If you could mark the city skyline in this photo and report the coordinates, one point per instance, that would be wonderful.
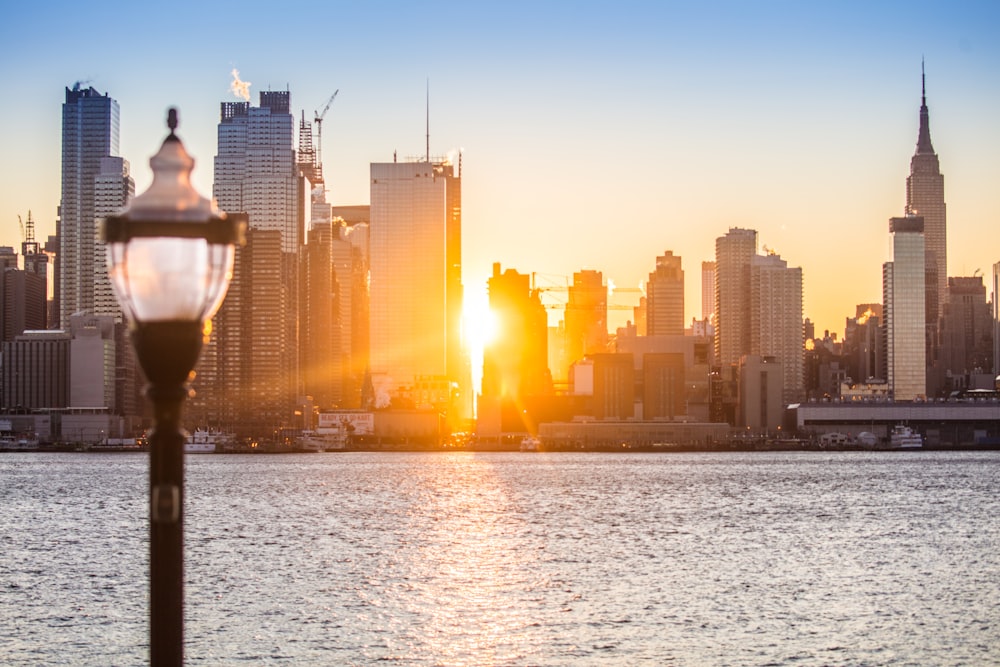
(630, 131)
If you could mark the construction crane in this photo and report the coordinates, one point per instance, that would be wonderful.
(318, 118)
(557, 293)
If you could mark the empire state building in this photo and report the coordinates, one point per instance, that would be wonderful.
(925, 198)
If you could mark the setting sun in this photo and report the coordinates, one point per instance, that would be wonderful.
(479, 327)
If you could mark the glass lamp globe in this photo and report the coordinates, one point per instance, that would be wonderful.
(170, 254)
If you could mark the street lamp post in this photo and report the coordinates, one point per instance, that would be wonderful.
(170, 260)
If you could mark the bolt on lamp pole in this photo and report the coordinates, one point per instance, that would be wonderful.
(170, 260)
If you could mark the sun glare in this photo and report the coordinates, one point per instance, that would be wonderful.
(478, 323)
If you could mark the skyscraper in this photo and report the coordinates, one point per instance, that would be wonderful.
(925, 198)
(586, 316)
(22, 291)
(255, 166)
(90, 123)
(733, 254)
(707, 290)
(966, 330)
(665, 297)
(321, 330)
(251, 363)
(113, 187)
(864, 344)
(331, 300)
(996, 320)
(903, 296)
(515, 362)
(776, 319)
(416, 281)
(36, 262)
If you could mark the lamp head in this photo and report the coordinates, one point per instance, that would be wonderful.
(170, 253)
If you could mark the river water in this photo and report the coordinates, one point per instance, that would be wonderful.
(763, 558)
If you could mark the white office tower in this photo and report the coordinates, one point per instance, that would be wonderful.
(113, 187)
(416, 288)
(904, 309)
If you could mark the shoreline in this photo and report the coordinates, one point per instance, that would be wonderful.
(720, 447)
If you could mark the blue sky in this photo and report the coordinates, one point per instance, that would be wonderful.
(594, 134)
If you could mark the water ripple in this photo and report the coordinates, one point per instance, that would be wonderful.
(515, 559)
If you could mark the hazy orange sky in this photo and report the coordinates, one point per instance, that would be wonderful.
(595, 135)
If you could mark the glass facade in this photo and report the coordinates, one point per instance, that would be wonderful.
(904, 298)
(733, 253)
(415, 305)
(90, 124)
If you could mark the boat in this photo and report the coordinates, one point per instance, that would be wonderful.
(904, 437)
(530, 444)
(315, 441)
(205, 442)
(12, 443)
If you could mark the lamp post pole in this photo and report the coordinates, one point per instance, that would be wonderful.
(170, 260)
(166, 528)
(167, 352)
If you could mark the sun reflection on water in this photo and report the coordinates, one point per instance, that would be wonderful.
(472, 565)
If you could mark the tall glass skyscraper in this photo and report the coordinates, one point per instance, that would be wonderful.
(904, 303)
(416, 282)
(90, 124)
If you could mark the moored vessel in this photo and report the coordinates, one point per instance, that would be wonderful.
(904, 437)
(316, 441)
(530, 444)
(203, 441)
(12, 443)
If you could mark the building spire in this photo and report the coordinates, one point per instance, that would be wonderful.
(924, 136)
(427, 117)
(923, 84)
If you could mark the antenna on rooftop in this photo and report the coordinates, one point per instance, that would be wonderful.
(427, 116)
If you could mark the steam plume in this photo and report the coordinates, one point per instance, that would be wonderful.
(240, 88)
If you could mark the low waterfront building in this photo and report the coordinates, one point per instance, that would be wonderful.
(971, 420)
